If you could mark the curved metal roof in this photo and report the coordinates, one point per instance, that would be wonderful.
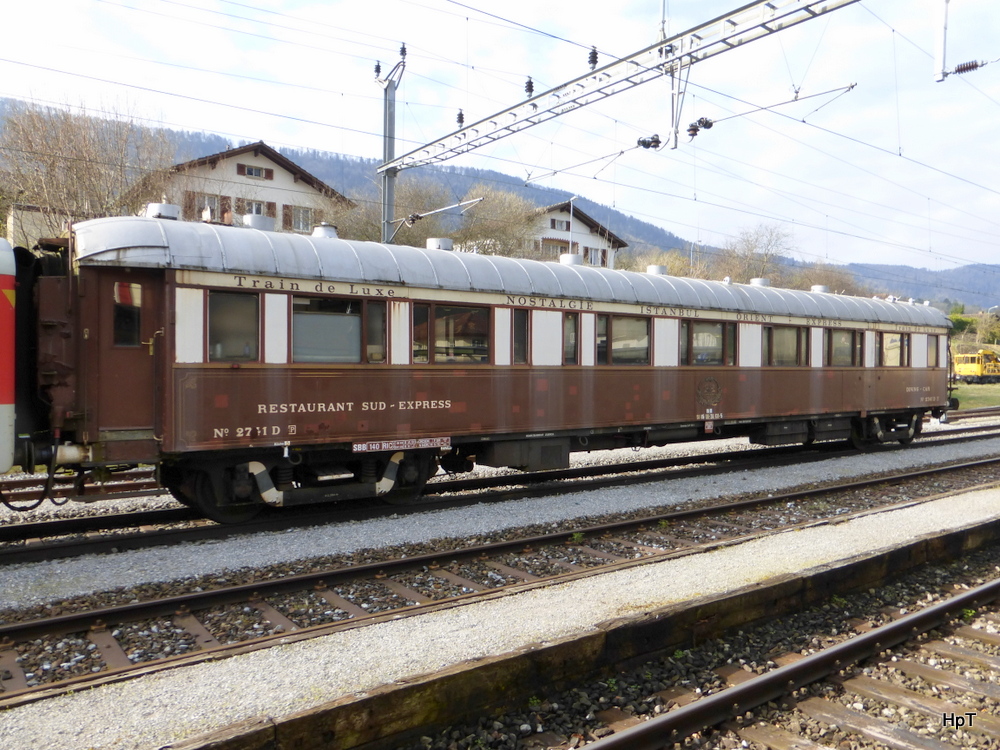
(158, 243)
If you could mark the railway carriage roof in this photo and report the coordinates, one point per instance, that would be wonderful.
(158, 243)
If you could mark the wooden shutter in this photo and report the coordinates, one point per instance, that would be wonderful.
(268, 173)
(286, 217)
(241, 206)
(189, 206)
(271, 209)
(225, 209)
(241, 169)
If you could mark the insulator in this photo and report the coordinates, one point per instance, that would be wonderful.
(402, 51)
(378, 69)
(693, 129)
(529, 87)
(460, 119)
(705, 123)
(652, 141)
(592, 58)
(968, 67)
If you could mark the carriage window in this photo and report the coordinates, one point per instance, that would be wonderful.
(461, 334)
(785, 346)
(842, 348)
(602, 339)
(326, 330)
(128, 303)
(895, 349)
(232, 327)
(421, 330)
(629, 340)
(375, 338)
(932, 351)
(520, 337)
(707, 343)
(571, 343)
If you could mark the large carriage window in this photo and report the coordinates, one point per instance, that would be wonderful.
(520, 336)
(622, 340)
(326, 330)
(571, 342)
(232, 327)
(330, 330)
(843, 348)
(629, 340)
(461, 334)
(128, 303)
(895, 349)
(932, 351)
(785, 346)
(708, 343)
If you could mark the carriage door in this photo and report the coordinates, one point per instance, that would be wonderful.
(131, 344)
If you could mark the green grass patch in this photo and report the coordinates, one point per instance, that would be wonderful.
(977, 396)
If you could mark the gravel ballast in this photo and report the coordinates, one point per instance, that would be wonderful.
(39, 583)
(175, 705)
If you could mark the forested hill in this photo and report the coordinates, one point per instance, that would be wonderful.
(976, 285)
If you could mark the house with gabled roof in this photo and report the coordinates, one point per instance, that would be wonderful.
(563, 228)
(240, 184)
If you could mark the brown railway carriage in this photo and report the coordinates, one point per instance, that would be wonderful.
(256, 367)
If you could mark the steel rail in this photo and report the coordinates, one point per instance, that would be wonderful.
(731, 702)
(81, 621)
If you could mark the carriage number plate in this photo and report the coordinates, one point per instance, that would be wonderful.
(402, 445)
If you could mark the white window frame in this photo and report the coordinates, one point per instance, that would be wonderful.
(302, 219)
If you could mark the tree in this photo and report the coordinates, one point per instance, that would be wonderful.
(676, 262)
(753, 254)
(363, 220)
(502, 224)
(72, 166)
(837, 280)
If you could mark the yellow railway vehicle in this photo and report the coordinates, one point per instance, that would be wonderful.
(981, 367)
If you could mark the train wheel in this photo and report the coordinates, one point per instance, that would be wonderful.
(414, 471)
(858, 439)
(207, 499)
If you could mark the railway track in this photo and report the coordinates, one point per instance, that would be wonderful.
(900, 684)
(96, 534)
(96, 638)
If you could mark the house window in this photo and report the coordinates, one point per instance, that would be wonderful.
(560, 224)
(255, 171)
(207, 207)
(553, 249)
(254, 207)
(302, 219)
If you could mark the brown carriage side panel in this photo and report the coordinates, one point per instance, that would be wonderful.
(220, 407)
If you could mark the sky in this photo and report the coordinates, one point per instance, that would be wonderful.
(835, 130)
